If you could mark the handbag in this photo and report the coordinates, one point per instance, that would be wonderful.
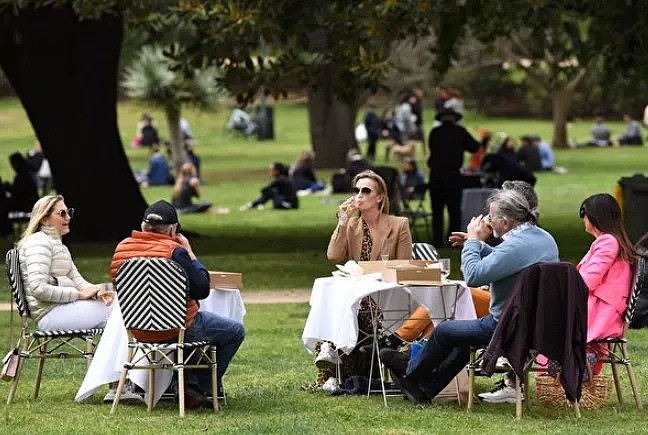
(10, 365)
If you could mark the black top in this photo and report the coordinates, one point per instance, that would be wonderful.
(447, 143)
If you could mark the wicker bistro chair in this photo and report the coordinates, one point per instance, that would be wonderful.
(617, 349)
(424, 251)
(153, 297)
(42, 344)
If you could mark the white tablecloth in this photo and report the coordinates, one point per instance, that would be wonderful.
(335, 302)
(112, 351)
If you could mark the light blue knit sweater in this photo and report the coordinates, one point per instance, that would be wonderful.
(499, 266)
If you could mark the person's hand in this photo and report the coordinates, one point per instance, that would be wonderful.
(106, 296)
(344, 210)
(457, 238)
(184, 242)
(478, 228)
(89, 292)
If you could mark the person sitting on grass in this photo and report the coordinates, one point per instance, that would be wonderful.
(281, 191)
(632, 133)
(187, 186)
(303, 175)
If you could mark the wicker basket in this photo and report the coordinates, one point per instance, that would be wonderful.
(595, 394)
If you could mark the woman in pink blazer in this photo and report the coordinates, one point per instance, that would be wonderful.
(606, 268)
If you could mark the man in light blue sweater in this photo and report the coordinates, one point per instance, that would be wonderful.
(447, 351)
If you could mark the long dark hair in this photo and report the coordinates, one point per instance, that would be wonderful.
(604, 214)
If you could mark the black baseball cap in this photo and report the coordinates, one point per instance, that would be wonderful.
(161, 212)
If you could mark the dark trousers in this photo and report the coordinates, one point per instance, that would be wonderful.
(447, 352)
(278, 200)
(371, 146)
(445, 194)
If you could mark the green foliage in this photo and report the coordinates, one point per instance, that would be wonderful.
(152, 79)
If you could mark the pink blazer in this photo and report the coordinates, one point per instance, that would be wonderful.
(607, 276)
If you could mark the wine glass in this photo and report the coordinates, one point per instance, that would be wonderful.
(445, 267)
(384, 254)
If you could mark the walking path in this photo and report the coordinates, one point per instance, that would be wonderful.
(258, 297)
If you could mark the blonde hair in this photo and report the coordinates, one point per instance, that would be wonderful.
(42, 208)
(382, 187)
(186, 169)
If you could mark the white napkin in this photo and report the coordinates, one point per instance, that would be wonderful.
(350, 268)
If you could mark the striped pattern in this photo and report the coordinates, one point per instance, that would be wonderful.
(640, 276)
(167, 346)
(15, 282)
(42, 333)
(152, 294)
(424, 251)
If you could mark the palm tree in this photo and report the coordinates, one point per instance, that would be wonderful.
(151, 78)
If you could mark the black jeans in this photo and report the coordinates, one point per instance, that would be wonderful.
(445, 194)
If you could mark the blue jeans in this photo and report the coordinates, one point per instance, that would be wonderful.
(225, 333)
(447, 352)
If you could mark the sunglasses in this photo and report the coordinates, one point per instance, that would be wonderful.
(581, 212)
(65, 213)
(365, 190)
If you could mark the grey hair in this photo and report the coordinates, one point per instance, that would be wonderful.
(513, 205)
(526, 190)
(156, 228)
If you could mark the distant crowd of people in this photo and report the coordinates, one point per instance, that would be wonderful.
(602, 136)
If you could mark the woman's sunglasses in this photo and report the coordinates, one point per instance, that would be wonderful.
(365, 190)
(65, 213)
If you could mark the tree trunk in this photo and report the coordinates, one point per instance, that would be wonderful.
(561, 102)
(64, 70)
(177, 149)
(332, 126)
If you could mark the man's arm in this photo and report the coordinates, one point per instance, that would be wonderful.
(196, 272)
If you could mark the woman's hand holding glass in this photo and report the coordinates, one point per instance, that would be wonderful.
(106, 294)
(345, 210)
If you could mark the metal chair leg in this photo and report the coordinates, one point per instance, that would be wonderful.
(39, 371)
(181, 391)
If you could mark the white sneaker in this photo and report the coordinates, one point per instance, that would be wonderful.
(502, 393)
(127, 396)
(303, 192)
(245, 207)
(503, 364)
(331, 385)
(327, 357)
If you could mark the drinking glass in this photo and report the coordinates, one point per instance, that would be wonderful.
(384, 254)
(445, 267)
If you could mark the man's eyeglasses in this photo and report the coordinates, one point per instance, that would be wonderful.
(65, 213)
(581, 212)
(365, 190)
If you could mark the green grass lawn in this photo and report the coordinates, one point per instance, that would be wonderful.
(264, 397)
(279, 250)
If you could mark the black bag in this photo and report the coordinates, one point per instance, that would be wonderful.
(640, 318)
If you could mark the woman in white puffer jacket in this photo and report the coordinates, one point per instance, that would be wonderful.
(57, 294)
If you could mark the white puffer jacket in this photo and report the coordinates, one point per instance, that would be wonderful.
(49, 275)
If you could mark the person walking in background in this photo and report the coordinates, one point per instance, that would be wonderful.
(281, 191)
(373, 125)
(447, 142)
